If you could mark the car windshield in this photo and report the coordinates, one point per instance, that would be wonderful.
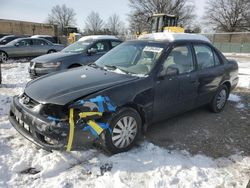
(132, 58)
(77, 47)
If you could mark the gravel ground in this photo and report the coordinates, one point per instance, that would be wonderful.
(215, 135)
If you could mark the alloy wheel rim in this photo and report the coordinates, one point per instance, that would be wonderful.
(124, 132)
(3, 57)
(221, 100)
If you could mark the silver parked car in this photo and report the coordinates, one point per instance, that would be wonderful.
(28, 47)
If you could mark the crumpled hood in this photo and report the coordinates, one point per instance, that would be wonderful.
(54, 57)
(63, 87)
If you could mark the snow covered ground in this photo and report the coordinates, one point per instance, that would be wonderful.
(244, 68)
(147, 165)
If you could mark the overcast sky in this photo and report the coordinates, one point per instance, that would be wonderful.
(37, 11)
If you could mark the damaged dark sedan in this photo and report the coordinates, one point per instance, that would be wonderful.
(113, 100)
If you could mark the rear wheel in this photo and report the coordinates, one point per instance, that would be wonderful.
(220, 99)
(3, 57)
(125, 128)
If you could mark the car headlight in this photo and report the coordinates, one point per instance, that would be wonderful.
(51, 64)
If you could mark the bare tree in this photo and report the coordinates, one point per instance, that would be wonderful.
(228, 15)
(93, 23)
(114, 24)
(143, 9)
(62, 16)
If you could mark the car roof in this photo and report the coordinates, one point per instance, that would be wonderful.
(171, 37)
(37, 36)
(9, 36)
(98, 37)
(29, 38)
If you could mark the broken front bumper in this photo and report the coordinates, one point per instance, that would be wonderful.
(45, 133)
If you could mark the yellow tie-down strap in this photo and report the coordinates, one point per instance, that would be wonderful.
(91, 123)
(95, 126)
(71, 129)
(86, 114)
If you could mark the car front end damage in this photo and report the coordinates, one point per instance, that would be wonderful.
(54, 127)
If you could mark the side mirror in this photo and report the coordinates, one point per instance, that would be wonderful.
(170, 71)
(17, 44)
(92, 51)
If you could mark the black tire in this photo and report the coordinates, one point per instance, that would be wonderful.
(220, 99)
(73, 66)
(51, 51)
(133, 130)
(3, 57)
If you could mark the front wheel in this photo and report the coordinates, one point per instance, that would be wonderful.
(220, 99)
(125, 128)
(3, 57)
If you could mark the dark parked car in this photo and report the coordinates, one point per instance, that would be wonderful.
(6, 39)
(0, 73)
(135, 84)
(86, 50)
(28, 47)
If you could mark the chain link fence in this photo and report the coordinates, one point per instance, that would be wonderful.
(230, 42)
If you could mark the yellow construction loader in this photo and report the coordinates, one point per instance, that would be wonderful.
(164, 23)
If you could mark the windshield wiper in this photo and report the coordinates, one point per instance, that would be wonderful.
(113, 67)
(94, 65)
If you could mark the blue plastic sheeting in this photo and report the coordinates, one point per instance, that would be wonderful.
(100, 101)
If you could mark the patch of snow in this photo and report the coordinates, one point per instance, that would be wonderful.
(95, 37)
(240, 105)
(173, 36)
(234, 98)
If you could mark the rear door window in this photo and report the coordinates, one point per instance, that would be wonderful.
(38, 42)
(205, 56)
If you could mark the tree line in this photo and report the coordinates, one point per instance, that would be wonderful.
(63, 16)
(219, 16)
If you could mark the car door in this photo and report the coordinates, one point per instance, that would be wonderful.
(100, 48)
(176, 93)
(23, 48)
(210, 72)
(40, 47)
